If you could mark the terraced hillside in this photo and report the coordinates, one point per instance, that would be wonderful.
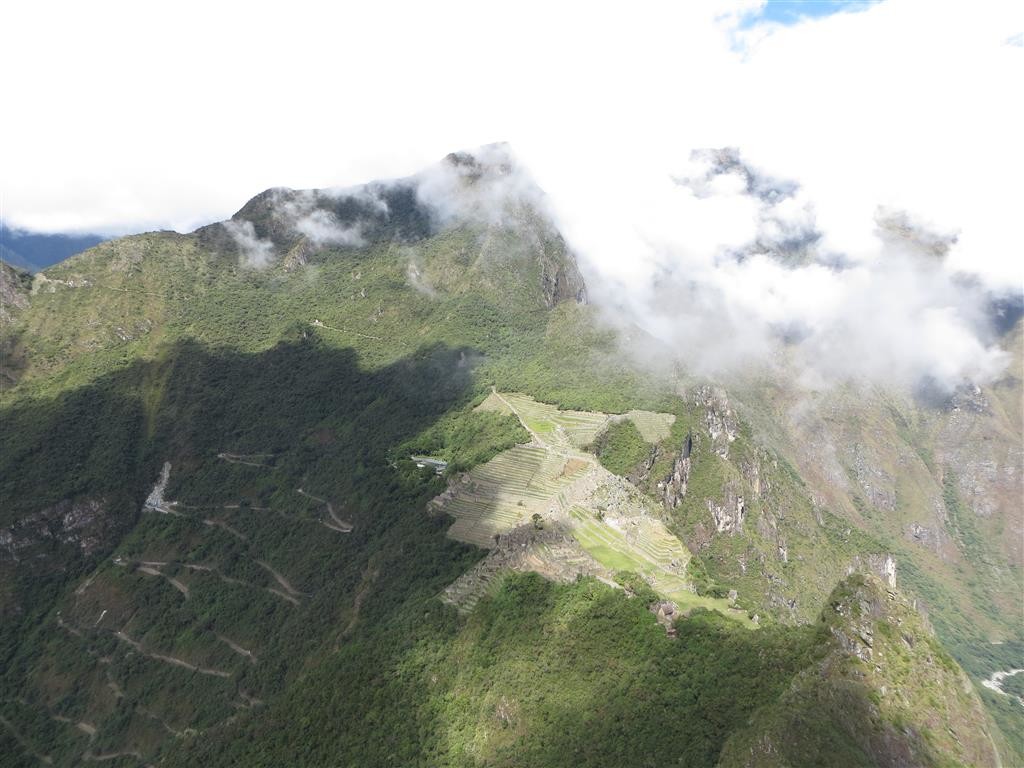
(274, 599)
(552, 483)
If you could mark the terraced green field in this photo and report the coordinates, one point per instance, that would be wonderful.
(559, 429)
(650, 550)
(554, 478)
(654, 427)
(508, 490)
(573, 429)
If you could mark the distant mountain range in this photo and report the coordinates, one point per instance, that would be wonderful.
(35, 251)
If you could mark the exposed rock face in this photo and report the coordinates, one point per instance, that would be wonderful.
(987, 471)
(719, 418)
(673, 487)
(14, 298)
(667, 613)
(156, 501)
(878, 486)
(969, 397)
(932, 537)
(886, 568)
(728, 516)
(561, 279)
(549, 550)
(81, 523)
(299, 255)
(883, 693)
(14, 288)
(882, 565)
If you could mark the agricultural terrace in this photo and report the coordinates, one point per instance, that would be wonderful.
(572, 429)
(552, 477)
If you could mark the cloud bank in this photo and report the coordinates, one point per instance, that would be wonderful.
(735, 274)
(897, 109)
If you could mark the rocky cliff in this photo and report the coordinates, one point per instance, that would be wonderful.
(860, 704)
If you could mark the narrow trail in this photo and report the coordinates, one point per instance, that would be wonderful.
(237, 648)
(341, 526)
(290, 592)
(231, 580)
(185, 297)
(120, 635)
(102, 758)
(73, 630)
(995, 750)
(318, 324)
(536, 438)
(86, 584)
(250, 702)
(25, 745)
(149, 570)
(283, 515)
(285, 584)
(309, 495)
(283, 595)
(243, 458)
(91, 730)
(224, 526)
(157, 719)
(366, 583)
(87, 728)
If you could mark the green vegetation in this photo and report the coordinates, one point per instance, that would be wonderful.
(285, 610)
(854, 706)
(539, 674)
(621, 447)
(467, 438)
(1014, 685)
(652, 553)
(157, 348)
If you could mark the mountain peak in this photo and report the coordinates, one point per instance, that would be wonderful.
(860, 703)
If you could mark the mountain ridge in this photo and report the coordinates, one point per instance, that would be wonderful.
(314, 342)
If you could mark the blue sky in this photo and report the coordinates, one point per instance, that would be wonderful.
(791, 11)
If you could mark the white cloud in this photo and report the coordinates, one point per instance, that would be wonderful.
(254, 252)
(134, 117)
(324, 229)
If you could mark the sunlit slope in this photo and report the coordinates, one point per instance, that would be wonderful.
(302, 603)
(552, 484)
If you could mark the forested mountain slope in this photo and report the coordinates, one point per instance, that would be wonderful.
(216, 549)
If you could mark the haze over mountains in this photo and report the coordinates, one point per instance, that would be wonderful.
(672, 525)
(35, 251)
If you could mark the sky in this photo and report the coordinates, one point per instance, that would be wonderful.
(794, 11)
(125, 116)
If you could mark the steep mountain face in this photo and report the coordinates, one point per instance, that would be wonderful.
(14, 288)
(215, 547)
(15, 285)
(860, 704)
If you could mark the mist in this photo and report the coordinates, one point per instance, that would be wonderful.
(780, 250)
(730, 269)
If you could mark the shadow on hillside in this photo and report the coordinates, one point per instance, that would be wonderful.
(329, 420)
(327, 425)
(110, 437)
